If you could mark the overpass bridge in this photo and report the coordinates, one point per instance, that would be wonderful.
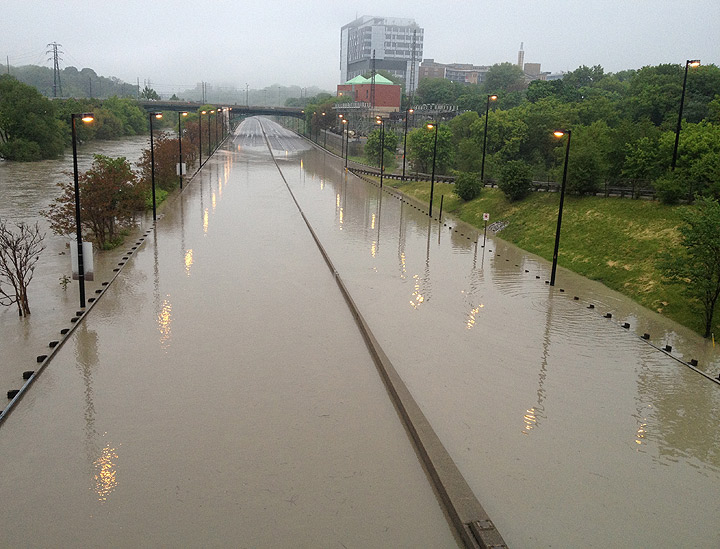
(236, 110)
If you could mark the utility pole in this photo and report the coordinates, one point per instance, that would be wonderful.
(57, 86)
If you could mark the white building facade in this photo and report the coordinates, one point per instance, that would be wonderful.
(392, 39)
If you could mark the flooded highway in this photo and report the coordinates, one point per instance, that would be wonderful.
(219, 392)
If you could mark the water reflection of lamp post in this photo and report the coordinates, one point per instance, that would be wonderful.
(688, 63)
(487, 110)
(559, 134)
(152, 115)
(430, 126)
(86, 117)
(408, 112)
(382, 148)
(180, 115)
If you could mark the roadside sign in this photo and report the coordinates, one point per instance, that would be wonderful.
(486, 217)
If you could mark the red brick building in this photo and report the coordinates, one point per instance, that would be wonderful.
(388, 96)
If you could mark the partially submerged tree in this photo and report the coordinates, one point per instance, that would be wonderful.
(19, 253)
(110, 197)
(697, 266)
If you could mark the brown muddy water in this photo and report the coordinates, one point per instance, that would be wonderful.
(219, 387)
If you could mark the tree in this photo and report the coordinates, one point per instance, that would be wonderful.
(166, 159)
(28, 129)
(19, 253)
(435, 90)
(372, 147)
(149, 94)
(515, 180)
(421, 143)
(504, 77)
(468, 185)
(696, 266)
(110, 197)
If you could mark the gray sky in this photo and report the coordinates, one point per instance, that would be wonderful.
(176, 44)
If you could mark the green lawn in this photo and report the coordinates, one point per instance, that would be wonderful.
(616, 241)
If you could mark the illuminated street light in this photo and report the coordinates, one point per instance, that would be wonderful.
(559, 134)
(487, 110)
(689, 63)
(152, 115)
(430, 126)
(342, 139)
(85, 117)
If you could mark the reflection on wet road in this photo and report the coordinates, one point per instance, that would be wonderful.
(221, 383)
(553, 412)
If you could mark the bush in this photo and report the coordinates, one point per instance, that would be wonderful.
(671, 188)
(468, 185)
(515, 180)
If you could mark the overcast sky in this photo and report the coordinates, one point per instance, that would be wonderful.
(176, 44)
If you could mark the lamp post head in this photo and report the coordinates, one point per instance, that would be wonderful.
(203, 112)
(693, 62)
(87, 117)
(430, 125)
(184, 113)
(411, 111)
(560, 133)
(492, 97)
(344, 121)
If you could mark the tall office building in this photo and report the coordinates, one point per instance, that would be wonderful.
(391, 39)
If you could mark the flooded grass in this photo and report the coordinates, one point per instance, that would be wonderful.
(615, 241)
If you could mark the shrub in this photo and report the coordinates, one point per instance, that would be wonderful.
(468, 185)
(515, 180)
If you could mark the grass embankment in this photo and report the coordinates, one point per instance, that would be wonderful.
(615, 241)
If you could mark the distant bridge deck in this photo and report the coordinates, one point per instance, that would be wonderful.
(193, 106)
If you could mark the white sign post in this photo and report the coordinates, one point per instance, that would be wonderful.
(486, 218)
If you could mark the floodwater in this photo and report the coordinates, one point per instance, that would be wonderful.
(26, 189)
(218, 393)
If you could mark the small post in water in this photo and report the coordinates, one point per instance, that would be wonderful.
(486, 218)
(441, 205)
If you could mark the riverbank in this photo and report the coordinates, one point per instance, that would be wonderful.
(616, 241)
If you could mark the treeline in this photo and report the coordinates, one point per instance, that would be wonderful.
(623, 128)
(33, 127)
(74, 83)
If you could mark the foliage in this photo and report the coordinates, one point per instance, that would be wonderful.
(421, 147)
(697, 268)
(515, 180)
(166, 154)
(19, 253)
(373, 147)
(75, 83)
(28, 129)
(504, 77)
(149, 94)
(110, 197)
(468, 185)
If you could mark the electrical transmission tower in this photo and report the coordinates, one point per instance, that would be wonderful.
(56, 52)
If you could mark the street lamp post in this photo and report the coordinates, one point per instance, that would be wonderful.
(152, 115)
(382, 148)
(688, 63)
(217, 133)
(180, 115)
(487, 110)
(559, 134)
(346, 136)
(209, 135)
(200, 134)
(87, 118)
(408, 112)
(432, 177)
